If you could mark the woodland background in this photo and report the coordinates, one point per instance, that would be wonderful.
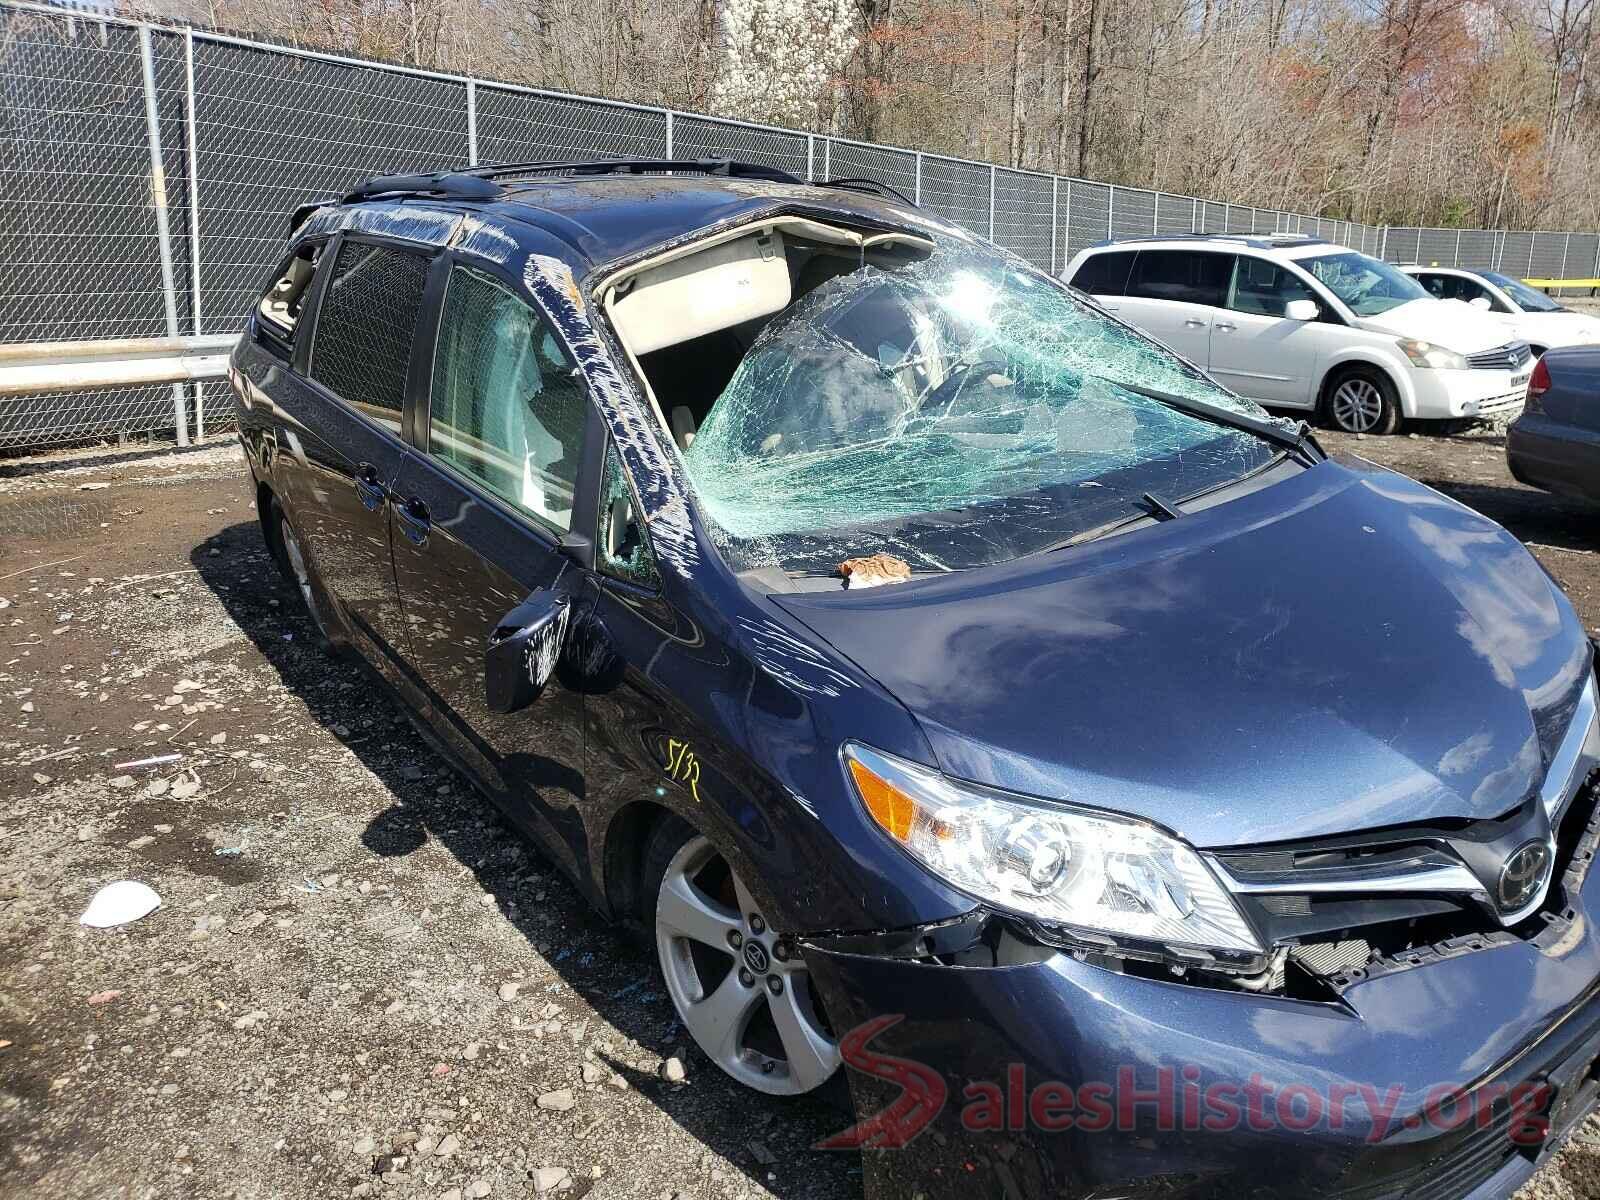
(1467, 113)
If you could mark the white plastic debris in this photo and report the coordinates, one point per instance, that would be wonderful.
(119, 903)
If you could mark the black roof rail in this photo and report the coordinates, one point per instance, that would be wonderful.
(1257, 241)
(481, 183)
(727, 167)
(872, 186)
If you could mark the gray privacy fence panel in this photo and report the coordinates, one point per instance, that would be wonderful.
(1022, 215)
(78, 250)
(958, 191)
(1089, 215)
(520, 126)
(704, 137)
(87, 146)
(273, 130)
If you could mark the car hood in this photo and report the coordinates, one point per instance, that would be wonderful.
(1558, 329)
(1342, 650)
(1448, 323)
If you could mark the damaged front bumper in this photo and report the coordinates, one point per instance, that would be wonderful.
(1044, 1074)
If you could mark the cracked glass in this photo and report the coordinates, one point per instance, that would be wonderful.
(954, 412)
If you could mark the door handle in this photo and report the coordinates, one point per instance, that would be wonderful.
(414, 520)
(370, 488)
(1225, 326)
(1192, 323)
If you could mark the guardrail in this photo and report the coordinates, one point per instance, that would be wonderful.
(201, 143)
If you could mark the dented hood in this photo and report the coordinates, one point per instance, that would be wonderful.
(1343, 650)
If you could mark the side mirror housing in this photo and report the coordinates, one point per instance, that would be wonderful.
(1480, 302)
(523, 651)
(1302, 310)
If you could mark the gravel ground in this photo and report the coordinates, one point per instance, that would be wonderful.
(358, 981)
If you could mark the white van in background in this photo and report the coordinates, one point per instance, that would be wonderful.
(1295, 322)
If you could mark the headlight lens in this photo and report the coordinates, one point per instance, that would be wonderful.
(1426, 354)
(1069, 866)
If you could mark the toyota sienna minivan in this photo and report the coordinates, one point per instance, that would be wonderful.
(1298, 323)
(973, 705)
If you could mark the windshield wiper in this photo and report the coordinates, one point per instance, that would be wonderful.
(1299, 442)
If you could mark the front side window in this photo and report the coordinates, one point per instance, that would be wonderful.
(954, 411)
(506, 408)
(1367, 285)
(1265, 288)
(1188, 276)
(1528, 299)
(366, 327)
(624, 549)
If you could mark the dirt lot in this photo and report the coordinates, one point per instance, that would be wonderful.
(358, 982)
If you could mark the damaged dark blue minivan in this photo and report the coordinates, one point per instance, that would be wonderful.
(969, 699)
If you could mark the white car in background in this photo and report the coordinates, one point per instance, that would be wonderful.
(1295, 322)
(1531, 315)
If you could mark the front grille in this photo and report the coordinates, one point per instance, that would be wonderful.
(1510, 357)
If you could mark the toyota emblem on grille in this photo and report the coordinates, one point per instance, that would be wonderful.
(1522, 876)
(755, 957)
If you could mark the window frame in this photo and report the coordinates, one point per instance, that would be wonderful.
(609, 577)
(579, 538)
(305, 345)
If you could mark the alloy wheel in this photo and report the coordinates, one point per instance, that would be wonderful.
(1357, 405)
(302, 577)
(740, 989)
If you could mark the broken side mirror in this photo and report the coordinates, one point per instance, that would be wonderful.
(523, 651)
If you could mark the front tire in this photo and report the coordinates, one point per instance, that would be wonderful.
(740, 988)
(1362, 400)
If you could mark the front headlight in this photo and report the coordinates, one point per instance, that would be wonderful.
(1093, 871)
(1426, 354)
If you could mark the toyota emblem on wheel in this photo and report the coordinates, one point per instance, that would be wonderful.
(1523, 875)
(755, 957)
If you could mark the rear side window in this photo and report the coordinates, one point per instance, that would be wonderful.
(1188, 276)
(506, 408)
(1265, 288)
(1105, 274)
(279, 307)
(366, 326)
(624, 549)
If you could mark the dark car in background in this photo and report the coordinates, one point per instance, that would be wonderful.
(1555, 443)
(963, 695)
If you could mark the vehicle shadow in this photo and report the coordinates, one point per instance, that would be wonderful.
(1532, 516)
(766, 1138)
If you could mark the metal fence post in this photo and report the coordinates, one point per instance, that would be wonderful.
(1383, 245)
(672, 134)
(917, 191)
(1055, 203)
(472, 124)
(811, 149)
(1533, 244)
(827, 158)
(991, 203)
(1566, 246)
(1194, 215)
(1111, 199)
(194, 217)
(158, 200)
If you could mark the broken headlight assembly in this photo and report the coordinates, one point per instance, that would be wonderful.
(1100, 881)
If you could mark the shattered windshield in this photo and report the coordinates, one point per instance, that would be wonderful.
(954, 412)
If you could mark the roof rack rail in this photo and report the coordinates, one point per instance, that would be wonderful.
(635, 166)
(871, 186)
(481, 183)
(1258, 241)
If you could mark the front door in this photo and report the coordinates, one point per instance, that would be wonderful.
(480, 510)
(1257, 350)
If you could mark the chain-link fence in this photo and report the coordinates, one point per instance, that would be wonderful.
(146, 175)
